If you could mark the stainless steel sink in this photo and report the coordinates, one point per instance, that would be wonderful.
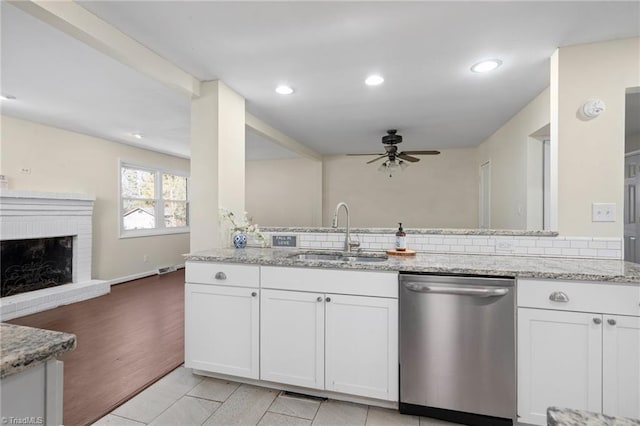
(317, 256)
(340, 256)
(366, 258)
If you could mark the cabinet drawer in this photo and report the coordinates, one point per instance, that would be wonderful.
(359, 283)
(222, 273)
(581, 296)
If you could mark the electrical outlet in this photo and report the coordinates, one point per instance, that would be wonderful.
(25, 170)
(603, 212)
(145, 258)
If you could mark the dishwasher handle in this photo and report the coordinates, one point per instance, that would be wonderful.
(458, 291)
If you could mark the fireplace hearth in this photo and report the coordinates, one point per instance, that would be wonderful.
(34, 264)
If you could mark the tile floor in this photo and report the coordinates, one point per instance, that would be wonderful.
(182, 398)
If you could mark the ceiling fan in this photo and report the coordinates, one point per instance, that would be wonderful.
(395, 159)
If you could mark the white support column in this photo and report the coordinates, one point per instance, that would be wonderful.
(217, 162)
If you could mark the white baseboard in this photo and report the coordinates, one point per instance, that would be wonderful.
(137, 276)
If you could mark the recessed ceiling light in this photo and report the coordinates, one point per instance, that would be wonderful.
(7, 97)
(374, 80)
(137, 135)
(284, 90)
(485, 66)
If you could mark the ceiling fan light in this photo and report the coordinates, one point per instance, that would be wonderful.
(403, 165)
(383, 167)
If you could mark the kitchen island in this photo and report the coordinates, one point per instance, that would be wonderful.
(577, 320)
(30, 375)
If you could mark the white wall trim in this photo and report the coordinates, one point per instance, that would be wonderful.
(132, 277)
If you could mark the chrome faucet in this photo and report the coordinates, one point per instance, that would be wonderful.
(348, 244)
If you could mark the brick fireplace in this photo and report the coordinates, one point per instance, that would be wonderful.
(27, 215)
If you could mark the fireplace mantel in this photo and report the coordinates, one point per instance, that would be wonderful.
(35, 214)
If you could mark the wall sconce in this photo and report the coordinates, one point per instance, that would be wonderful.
(591, 108)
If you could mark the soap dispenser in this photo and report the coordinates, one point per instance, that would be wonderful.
(401, 239)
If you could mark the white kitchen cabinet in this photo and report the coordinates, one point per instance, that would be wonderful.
(292, 334)
(336, 342)
(362, 346)
(621, 366)
(222, 329)
(559, 362)
(345, 343)
(578, 347)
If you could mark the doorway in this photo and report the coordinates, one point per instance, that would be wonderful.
(485, 196)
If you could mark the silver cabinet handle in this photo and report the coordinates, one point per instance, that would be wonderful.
(328, 299)
(559, 296)
(460, 291)
(597, 321)
(611, 321)
(220, 276)
(254, 294)
(319, 299)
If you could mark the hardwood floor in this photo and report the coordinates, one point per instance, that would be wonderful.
(127, 340)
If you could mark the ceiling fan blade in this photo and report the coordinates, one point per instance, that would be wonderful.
(409, 158)
(377, 153)
(421, 152)
(376, 159)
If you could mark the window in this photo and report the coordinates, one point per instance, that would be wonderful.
(152, 201)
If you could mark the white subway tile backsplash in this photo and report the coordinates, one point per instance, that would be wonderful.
(552, 251)
(579, 244)
(544, 243)
(606, 248)
(611, 254)
(571, 252)
(597, 244)
(615, 245)
(561, 244)
(587, 252)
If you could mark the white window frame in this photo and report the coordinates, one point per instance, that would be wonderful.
(160, 228)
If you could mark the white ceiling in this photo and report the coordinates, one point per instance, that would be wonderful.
(324, 50)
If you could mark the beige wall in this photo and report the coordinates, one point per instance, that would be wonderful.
(286, 192)
(438, 192)
(63, 161)
(591, 153)
(507, 150)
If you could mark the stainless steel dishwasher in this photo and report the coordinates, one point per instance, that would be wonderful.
(457, 348)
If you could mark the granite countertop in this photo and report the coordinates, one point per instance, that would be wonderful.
(24, 347)
(566, 417)
(616, 271)
(413, 231)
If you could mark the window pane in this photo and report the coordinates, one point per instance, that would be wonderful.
(174, 187)
(175, 214)
(138, 214)
(137, 183)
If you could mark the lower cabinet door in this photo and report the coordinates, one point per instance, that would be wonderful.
(362, 346)
(222, 329)
(621, 366)
(559, 362)
(292, 338)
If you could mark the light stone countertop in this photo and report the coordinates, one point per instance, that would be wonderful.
(412, 231)
(24, 347)
(616, 271)
(566, 417)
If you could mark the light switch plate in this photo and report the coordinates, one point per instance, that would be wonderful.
(603, 212)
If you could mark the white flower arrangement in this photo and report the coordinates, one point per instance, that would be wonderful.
(244, 225)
